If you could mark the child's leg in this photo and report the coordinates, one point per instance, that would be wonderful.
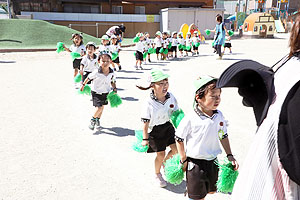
(98, 112)
(75, 72)
(160, 156)
(172, 152)
(113, 65)
(149, 57)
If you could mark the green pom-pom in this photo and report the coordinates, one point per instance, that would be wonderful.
(207, 31)
(75, 55)
(136, 39)
(170, 45)
(114, 99)
(173, 170)
(151, 51)
(183, 47)
(188, 48)
(145, 55)
(134, 54)
(230, 33)
(114, 56)
(213, 44)
(180, 46)
(77, 78)
(59, 47)
(227, 176)
(197, 44)
(86, 90)
(166, 51)
(176, 117)
(137, 146)
(161, 50)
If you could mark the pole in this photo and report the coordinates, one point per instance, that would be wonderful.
(8, 9)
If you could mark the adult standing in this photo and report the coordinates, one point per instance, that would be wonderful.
(117, 31)
(272, 168)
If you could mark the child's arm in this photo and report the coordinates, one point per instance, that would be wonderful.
(181, 151)
(84, 83)
(227, 149)
(67, 49)
(114, 85)
(81, 69)
(145, 134)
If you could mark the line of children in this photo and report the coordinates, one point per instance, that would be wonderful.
(103, 81)
(158, 132)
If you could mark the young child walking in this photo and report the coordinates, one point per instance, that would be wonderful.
(115, 48)
(158, 132)
(165, 44)
(89, 62)
(181, 42)
(140, 49)
(103, 81)
(158, 43)
(174, 44)
(196, 40)
(77, 47)
(104, 46)
(148, 44)
(188, 43)
(227, 44)
(198, 136)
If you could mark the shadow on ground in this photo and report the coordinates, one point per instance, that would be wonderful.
(115, 131)
(178, 189)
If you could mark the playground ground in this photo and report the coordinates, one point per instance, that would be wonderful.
(47, 151)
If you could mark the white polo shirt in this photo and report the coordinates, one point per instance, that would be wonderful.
(101, 83)
(114, 48)
(104, 48)
(201, 134)
(181, 41)
(140, 46)
(78, 49)
(174, 42)
(157, 112)
(188, 41)
(195, 40)
(165, 43)
(89, 64)
(158, 42)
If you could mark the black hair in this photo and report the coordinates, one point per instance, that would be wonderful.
(77, 34)
(219, 18)
(101, 55)
(205, 88)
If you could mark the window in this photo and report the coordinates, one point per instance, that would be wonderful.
(139, 9)
(271, 28)
(117, 9)
(255, 28)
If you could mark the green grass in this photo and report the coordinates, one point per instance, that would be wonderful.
(38, 34)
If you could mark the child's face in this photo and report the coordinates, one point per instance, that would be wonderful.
(165, 36)
(161, 87)
(114, 40)
(105, 61)
(90, 50)
(147, 35)
(211, 100)
(77, 40)
(158, 36)
(175, 36)
(142, 38)
(105, 42)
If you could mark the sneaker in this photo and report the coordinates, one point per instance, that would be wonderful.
(120, 68)
(141, 67)
(97, 122)
(136, 67)
(149, 60)
(230, 51)
(219, 58)
(161, 182)
(92, 125)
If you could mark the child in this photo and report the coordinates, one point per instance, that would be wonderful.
(227, 44)
(104, 46)
(147, 44)
(158, 132)
(197, 139)
(165, 44)
(89, 62)
(188, 43)
(195, 40)
(158, 43)
(115, 48)
(78, 47)
(181, 42)
(174, 44)
(140, 49)
(103, 79)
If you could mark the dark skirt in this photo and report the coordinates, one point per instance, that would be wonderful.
(99, 99)
(117, 60)
(139, 56)
(76, 63)
(228, 45)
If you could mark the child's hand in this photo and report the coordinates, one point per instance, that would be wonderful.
(234, 162)
(184, 166)
(145, 142)
(82, 87)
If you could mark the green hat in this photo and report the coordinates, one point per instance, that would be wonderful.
(104, 37)
(157, 75)
(158, 33)
(201, 81)
(188, 33)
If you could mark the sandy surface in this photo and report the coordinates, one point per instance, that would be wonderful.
(48, 152)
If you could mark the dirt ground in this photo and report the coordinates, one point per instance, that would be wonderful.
(48, 152)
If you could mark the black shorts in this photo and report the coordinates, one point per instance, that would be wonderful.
(160, 137)
(76, 63)
(195, 48)
(139, 56)
(157, 50)
(228, 45)
(85, 75)
(202, 178)
(174, 48)
(117, 60)
(99, 99)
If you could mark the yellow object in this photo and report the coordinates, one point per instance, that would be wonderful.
(184, 29)
(150, 18)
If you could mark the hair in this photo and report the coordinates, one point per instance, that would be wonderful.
(144, 88)
(77, 34)
(294, 42)
(101, 56)
(201, 92)
(90, 45)
(219, 18)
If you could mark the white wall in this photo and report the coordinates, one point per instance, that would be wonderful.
(3, 16)
(89, 17)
